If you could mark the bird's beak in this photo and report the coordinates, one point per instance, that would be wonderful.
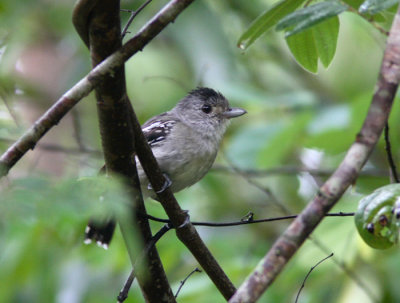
(234, 112)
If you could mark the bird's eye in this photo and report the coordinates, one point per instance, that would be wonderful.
(206, 108)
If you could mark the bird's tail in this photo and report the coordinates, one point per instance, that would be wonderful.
(100, 232)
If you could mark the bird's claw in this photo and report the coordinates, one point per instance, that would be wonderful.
(166, 184)
(187, 220)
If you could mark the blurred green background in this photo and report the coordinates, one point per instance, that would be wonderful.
(296, 122)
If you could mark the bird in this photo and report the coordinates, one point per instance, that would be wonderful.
(185, 141)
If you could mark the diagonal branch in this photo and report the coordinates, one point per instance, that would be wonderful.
(294, 236)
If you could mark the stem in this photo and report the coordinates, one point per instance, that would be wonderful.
(388, 149)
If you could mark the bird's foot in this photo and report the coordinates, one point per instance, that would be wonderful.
(166, 184)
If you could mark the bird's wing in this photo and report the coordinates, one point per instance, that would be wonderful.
(157, 129)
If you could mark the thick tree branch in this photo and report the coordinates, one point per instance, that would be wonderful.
(114, 108)
(294, 236)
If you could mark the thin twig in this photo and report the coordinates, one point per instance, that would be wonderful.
(184, 281)
(311, 269)
(244, 222)
(133, 15)
(123, 294)
(124, 291)
(347, 270)
(388, 149)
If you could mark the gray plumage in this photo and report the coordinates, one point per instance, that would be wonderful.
(186, 139)
(185, 142)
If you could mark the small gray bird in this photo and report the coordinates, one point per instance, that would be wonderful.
(185, 142)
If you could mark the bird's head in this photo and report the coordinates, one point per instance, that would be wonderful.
(207, 111)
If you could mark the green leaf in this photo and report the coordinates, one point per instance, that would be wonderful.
(325, 36)
(375, 6)
(304, 50)
(316, 42)
(309, 16)
(266, 20)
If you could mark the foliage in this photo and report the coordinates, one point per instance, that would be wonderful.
(314, 27)
(317, 42)
(266, 20)
(295, 120)
(305, 18)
